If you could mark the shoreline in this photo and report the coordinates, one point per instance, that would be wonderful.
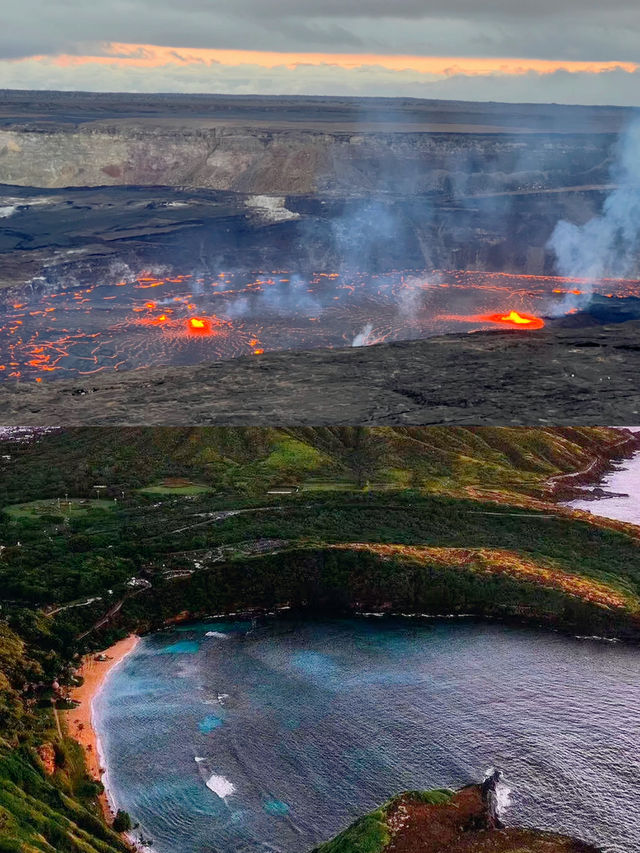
(563, 488)
(80, 721)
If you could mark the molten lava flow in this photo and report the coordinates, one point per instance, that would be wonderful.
(514, 319)
(156, 321)
(199, 326)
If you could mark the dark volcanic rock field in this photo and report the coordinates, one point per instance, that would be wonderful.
(555, 376)
(96, 186)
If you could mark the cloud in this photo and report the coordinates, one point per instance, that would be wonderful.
(552, 29)
(419, 10)
(614, 86)
(557, 31)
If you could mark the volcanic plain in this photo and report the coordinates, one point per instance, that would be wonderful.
(552, 376)
(99, 190)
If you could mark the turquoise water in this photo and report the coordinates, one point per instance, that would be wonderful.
(273, 740)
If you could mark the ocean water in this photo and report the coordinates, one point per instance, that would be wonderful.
(275, 739)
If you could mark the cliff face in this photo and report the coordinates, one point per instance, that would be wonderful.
(377, 185)
(254, 159)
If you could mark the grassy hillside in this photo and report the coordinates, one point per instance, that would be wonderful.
(183, 521)
(53, 816)
(47, 800)
(249, 461)
(349, 578)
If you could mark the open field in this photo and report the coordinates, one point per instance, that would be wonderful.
(175, 487)
(22, 106)
(66, 508)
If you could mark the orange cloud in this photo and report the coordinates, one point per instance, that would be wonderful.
(153, 56)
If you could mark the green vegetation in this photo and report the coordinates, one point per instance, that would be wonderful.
(59, 509)
(383, 516)
(370, 833)
(122, 821)
(291, 456)
(247, 462)
(176, 488)
(325, 581)
(47, 814)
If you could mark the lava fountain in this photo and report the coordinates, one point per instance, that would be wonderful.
(199, 326)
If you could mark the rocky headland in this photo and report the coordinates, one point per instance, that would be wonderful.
(442, 821)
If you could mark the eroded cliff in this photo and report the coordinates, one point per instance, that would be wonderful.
(298, 146)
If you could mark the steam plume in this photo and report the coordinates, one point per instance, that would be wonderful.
(606, 245)
(363, 338)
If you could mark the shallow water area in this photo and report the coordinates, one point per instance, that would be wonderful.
(276, 738)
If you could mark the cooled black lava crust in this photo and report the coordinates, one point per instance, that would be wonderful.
(555, 376)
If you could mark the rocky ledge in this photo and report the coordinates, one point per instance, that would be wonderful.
(554, 376)
(445, 822)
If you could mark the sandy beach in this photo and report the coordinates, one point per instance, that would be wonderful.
(80, 721)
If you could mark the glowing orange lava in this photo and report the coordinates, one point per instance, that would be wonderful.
(513, 318)
(199, 326)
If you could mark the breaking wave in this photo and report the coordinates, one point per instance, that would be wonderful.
(221, 786)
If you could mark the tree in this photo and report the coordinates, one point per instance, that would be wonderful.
(122, 821)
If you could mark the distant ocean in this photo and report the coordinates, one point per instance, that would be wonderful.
(222, 739)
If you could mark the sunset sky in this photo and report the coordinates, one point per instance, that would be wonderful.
(569, 51)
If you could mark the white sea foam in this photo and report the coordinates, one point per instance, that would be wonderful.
(221, 786)
(597, 638)
(503, 797)
(217, 634)
(502, 791)
(5, 212)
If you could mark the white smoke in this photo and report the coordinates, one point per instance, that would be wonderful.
(410, 301)
(606, 245)
(283, 300)
(363, 338)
